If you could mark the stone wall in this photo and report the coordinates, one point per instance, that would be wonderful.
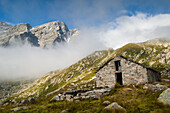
(81, 94)
(153, 76)
(132, 73)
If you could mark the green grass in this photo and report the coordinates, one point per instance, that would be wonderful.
(134, 100)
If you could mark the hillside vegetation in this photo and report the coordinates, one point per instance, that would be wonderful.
(154, 53)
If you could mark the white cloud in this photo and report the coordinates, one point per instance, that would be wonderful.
(136, 28)
(27, 61)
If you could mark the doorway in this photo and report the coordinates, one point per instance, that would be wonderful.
(119, 78)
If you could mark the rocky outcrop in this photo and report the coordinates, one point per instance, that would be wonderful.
(51, 33)
(164, 97)
(45, 36)
(19, 34)
(4, 27)
(81, 94)
(20, 108)
(106, 102)
(155, 88)
(115, 106)
(73, 34)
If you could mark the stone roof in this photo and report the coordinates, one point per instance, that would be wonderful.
(127, 60)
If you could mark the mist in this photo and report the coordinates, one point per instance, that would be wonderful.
(28, 62)
(21, 62)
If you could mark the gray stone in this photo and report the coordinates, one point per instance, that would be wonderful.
(81, 94)
(164, 97)
(114, 105)
(155, 88)
(55, 98)
(18, 33)
(20, 108)
(165, 80)
(106, 102)
(65, 111)
(125, 72)
(44, 36)
(31, 100)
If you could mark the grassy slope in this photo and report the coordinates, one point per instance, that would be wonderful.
(82, 71)
(78, 73)
(134, 100)
(148, 55)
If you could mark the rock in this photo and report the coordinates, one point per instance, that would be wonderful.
(69, 97)
(4, 27)
(18, 33)
(155, 88)
(20, 108)
(24, 101)
(164, 97)
(81, 94)
(65, 111)
(106, 102)
(31, 100)
(165, 80)
(44, 36)
(51, 33)
(55, 98)
(113, 106)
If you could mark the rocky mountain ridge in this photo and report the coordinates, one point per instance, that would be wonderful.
(43, 36)
(4, 27)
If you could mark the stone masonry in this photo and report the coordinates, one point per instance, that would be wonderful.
(81, 94)
(124, 71)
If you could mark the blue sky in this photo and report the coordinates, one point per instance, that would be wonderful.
(77, 13)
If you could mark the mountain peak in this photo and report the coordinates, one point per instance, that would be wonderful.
(4, 27)
(51, 33)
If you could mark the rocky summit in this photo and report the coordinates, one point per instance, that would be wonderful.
(4, 27)
(44, 36)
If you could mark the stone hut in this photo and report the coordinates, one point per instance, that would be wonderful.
(124, 71)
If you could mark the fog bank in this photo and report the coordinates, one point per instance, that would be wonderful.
(29, 62)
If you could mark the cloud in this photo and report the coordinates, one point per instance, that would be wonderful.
(27, 62)
(136, 28)
(30, 62)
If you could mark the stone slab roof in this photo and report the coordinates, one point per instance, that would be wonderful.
(127, 60)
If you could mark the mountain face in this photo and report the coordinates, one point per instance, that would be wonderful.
(43, 36)
(4, 27)
(50, 33)
(19, 33)
(82, 74)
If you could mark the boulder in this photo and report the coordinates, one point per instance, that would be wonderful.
(55, 98)
(20, 108)
(164, 97)
(114, 106)
(80, 94)
(155, 88)
(65, 111)
(31, 100)
(106, 102)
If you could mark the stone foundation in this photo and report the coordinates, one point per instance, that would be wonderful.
(81, 94)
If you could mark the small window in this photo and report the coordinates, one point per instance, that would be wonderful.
(117, 65)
